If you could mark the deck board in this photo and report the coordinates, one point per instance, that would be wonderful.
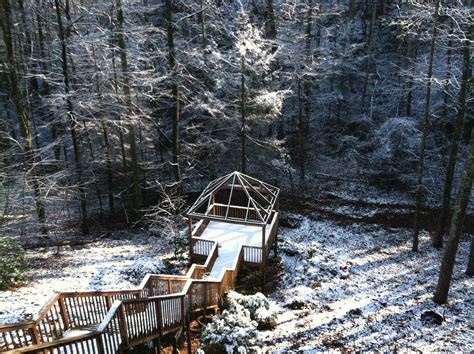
(229, 238)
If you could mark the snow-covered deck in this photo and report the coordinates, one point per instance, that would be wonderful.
(229, 238)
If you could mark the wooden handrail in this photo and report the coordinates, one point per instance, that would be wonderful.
(111, 332)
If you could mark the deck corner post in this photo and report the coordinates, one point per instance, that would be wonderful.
(35, 335)
(123, 325)
(64, 314)
(160, 320)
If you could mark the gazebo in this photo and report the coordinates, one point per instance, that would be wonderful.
(238, 212)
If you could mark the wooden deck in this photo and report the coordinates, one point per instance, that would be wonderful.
(160, 308)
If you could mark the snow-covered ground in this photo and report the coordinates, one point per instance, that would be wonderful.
(107, 264)
(359, 287)
(343, 286)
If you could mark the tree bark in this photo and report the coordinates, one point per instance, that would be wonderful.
(21, 112)
(470, 263)
(203, 25)
(243, 158)
(301, 137)
(105, 133)
(175, 116)
(409, 84)
(462, 201)
(370, 51)
(426, 122)
(304, 102)
(136, 190)
(272, 32)
(72, 124)
(453, 153)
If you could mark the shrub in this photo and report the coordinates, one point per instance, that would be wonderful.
(12, 263)
(260, 309)
(236, 330)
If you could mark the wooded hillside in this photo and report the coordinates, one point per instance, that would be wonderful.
(103, 102)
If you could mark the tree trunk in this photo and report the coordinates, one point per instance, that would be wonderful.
(272, 32)
(174, 89)
(21, 112)
(243, 158)
(301, 140)
(449, 61)
(203, 24)
(453, 153)
(370, 50)
(136, 191)
(46, 89)
(72, 124)
(462, 201)
(304, 102)
(426, 122)
(470, 264)
(105, 133)
(120, 130)
(409, 84)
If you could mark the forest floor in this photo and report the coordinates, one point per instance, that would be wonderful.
(345, 278)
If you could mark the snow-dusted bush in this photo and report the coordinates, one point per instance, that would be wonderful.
(259, 308)
(236, 330)
(12, 263)
(232, 330)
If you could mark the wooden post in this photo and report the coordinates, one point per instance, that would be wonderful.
(205, 302)
(275, 245)
(150, 287)
(190, 227)
(35, 335)
(183, 316)
(188, 333)
(169, 286)
(108, 299)
(264, 259)
(123, 326)
(160, 319)
(64, 315)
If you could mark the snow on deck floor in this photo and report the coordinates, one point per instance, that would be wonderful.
(229, 238)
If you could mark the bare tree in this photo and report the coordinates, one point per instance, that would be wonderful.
(462, 201)
(426, 122)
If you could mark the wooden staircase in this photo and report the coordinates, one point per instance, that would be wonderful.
(160, 309)
(112, 321)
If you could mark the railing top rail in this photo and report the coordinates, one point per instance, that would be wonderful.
(55, 343)
(40, 315)
(18, 325)
(99, 292)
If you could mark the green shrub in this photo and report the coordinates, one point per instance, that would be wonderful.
(12, 263)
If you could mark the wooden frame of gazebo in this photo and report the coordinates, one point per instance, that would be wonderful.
(239, 199)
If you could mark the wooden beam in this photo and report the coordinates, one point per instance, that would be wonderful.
(190, 228)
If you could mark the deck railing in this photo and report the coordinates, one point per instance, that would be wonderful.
(119, 319)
